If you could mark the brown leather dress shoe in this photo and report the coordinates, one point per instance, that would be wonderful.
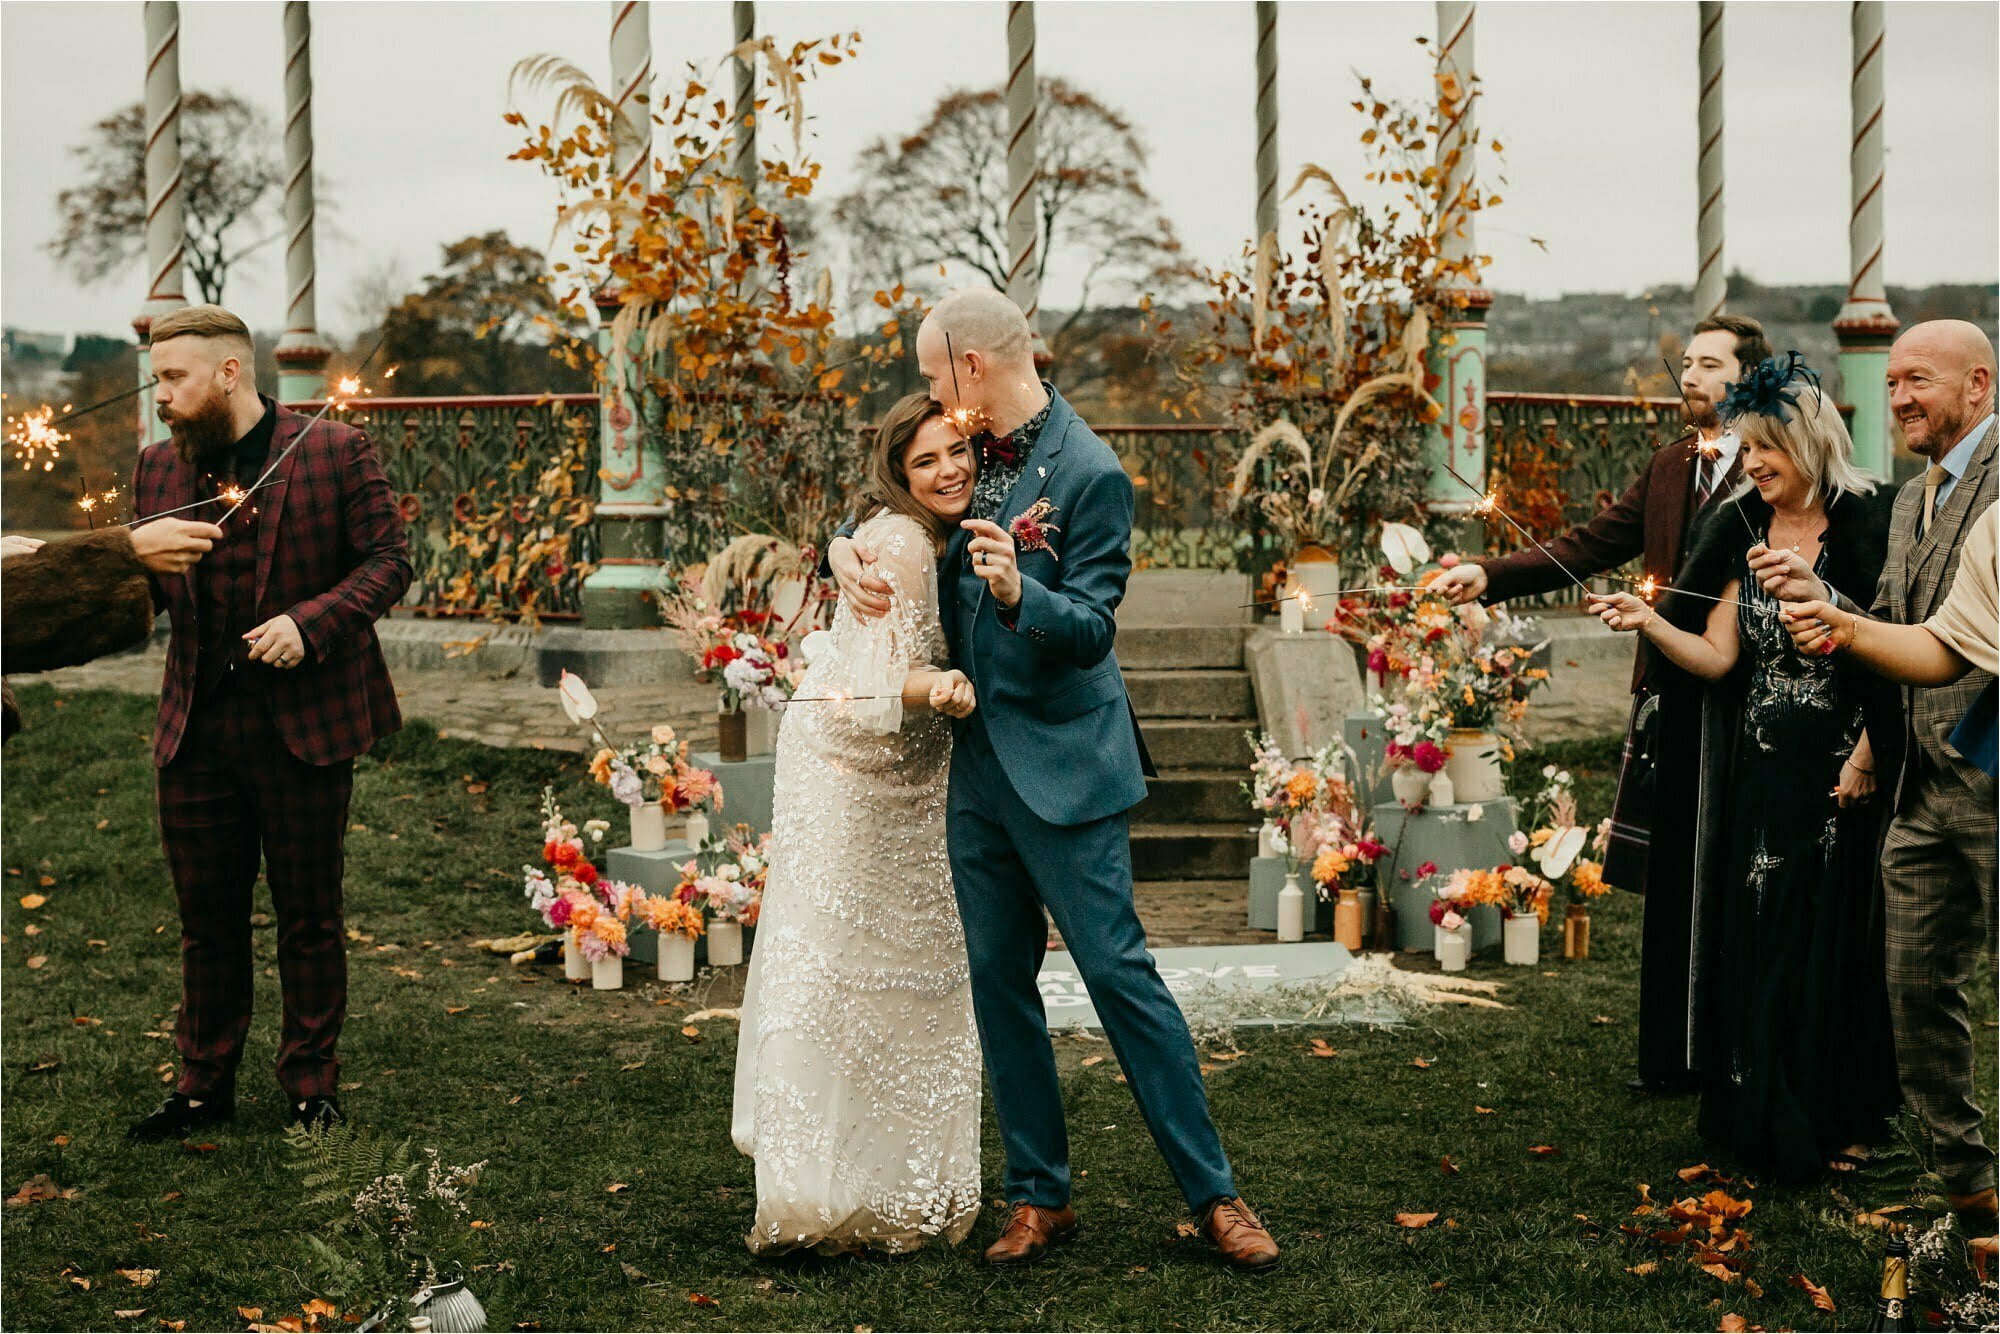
(1029, 1232)
(1240, 1235)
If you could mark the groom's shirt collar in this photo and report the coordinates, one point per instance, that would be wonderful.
(996, 479)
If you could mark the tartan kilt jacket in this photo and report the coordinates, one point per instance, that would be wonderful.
(332, 553)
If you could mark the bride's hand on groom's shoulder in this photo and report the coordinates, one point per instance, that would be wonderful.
(865, 593)
(952, 695)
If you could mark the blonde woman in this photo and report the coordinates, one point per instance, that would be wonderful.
(1798, 1064)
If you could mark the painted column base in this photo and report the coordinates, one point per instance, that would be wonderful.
(1865, 333)
(623, 592)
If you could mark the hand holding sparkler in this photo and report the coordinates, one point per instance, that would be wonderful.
(277, 642)
(1818, 628)
(1786, 575)
(1621, 611)
(951, 694)
(1463, 583)
(173, 546)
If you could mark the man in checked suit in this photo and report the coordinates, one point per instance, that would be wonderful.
(274, 683)
(1938, 859)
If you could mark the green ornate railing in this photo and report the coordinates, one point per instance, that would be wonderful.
(497, 494)
(497, 491)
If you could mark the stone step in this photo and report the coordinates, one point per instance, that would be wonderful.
(1152, 648)
(1193, 796)
(1191, 851)
(1193, 912)
(1192, 694)
(1196, 743)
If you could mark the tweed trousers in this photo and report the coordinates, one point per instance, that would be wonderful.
(233, 796)
(1937, 883)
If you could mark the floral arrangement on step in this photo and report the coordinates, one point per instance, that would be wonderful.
(1268, 771)
(1556, 837)
(669, 916)
(1415, 727)
(656, 769)
(1348, 864)
(745, 652)
(734, 890)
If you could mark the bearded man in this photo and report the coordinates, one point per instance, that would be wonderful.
(274, 683)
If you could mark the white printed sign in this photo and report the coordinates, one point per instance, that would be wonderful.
(1066, 997)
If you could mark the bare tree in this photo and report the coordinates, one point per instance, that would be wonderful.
(228, 174)
(939, 196)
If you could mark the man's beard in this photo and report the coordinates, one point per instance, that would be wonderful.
(1700, 413)
(206, 434)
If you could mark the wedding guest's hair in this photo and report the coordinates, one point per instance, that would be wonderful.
(206, 322)
(887, 489)
(1811, 434)
(1751, 344)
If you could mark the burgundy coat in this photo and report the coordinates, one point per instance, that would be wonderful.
(332, 553)
(1650, 520)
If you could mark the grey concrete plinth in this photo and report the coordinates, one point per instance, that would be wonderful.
(1267, 877)
(611, 657)
(1365, 737)
(1306, 685)
(1589, 693)
(746, 789)
(658, 873)
(1471, 835)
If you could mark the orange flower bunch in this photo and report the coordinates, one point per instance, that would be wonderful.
(669, 916)
(1588, 877)
(1301, 789)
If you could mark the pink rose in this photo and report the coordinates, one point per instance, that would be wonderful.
(1448, 560)
(1452, 921)
(1517, 842)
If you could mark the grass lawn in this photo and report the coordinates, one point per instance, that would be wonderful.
(568, 1093)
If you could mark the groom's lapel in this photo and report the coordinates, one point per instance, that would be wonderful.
(1041, 463)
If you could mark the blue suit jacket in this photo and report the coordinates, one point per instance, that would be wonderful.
(1051, 696)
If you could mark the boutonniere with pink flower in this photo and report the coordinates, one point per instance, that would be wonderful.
(1031, 528)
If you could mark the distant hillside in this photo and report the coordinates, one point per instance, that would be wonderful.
(1587, 342)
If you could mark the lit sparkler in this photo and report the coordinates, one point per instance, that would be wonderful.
(1649, 588)
(1489, 503)
(1306, 598)
(35, 438)
(837, 697)
(346, 387)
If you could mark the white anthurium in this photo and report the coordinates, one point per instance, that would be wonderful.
(577, 701)
(1558, 854)
(1404, 546)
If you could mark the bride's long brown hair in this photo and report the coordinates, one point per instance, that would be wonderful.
(888, 485)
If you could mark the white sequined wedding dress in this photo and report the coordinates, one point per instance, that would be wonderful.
(857, 1066)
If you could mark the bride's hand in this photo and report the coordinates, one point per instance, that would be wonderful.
(868, 594)
(952, 695)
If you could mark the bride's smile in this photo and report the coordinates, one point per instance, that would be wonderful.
(939, 468)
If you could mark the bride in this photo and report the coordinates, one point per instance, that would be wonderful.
(857, 1065)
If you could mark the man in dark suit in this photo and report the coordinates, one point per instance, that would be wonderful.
(274, 683)
(1044, 774)
(1652, 834)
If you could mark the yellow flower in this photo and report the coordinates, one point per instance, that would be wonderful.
(1588, 878)
(1301, 788)
(1540, 836)
(1330, 865)
(600, 766)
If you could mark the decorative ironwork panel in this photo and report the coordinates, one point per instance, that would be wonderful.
(497, 493)
(1181, 512)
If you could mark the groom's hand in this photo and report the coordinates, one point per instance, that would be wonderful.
(993, 560)
(868, 594)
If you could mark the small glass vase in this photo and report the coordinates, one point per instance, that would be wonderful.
(732, 732)
(1576, 932)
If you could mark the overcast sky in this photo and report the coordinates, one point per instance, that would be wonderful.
(1594, 101)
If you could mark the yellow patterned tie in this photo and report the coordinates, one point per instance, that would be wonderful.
(1933, 477)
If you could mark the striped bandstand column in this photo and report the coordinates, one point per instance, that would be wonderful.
(622, 592)
(1711, 283)
(166, 232)
(1267, 119)
(1023, 151)
(746, 167)
(1458, 338)
(301, 355)
(1866, 325)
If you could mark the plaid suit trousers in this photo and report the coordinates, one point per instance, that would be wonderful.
(234, 795)
(1937, 885)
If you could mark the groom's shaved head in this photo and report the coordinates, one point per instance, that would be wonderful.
(982, 320)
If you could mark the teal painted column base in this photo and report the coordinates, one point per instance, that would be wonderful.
(151, 430)
(301, 368)
(1457, 360)
(1865, 336)
(623, 593)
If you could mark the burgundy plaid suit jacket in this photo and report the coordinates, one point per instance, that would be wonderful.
(332, 553)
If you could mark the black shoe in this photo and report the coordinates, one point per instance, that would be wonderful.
(317, 1113)
(180, 1115)
(1662, 1088)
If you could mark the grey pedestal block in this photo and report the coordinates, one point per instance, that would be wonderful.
(658, 873)
(1364, 736)
(1445, 835)
(1267, 877)
(746, 790)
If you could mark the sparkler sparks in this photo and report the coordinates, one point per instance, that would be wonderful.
(1489, 503)
(837, 697)
(1305, 598)
(35, 438)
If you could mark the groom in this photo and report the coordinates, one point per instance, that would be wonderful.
(1043, 774)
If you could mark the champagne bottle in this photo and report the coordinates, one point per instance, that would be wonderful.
(1892, 1307)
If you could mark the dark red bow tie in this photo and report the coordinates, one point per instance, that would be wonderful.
(1003, 449)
